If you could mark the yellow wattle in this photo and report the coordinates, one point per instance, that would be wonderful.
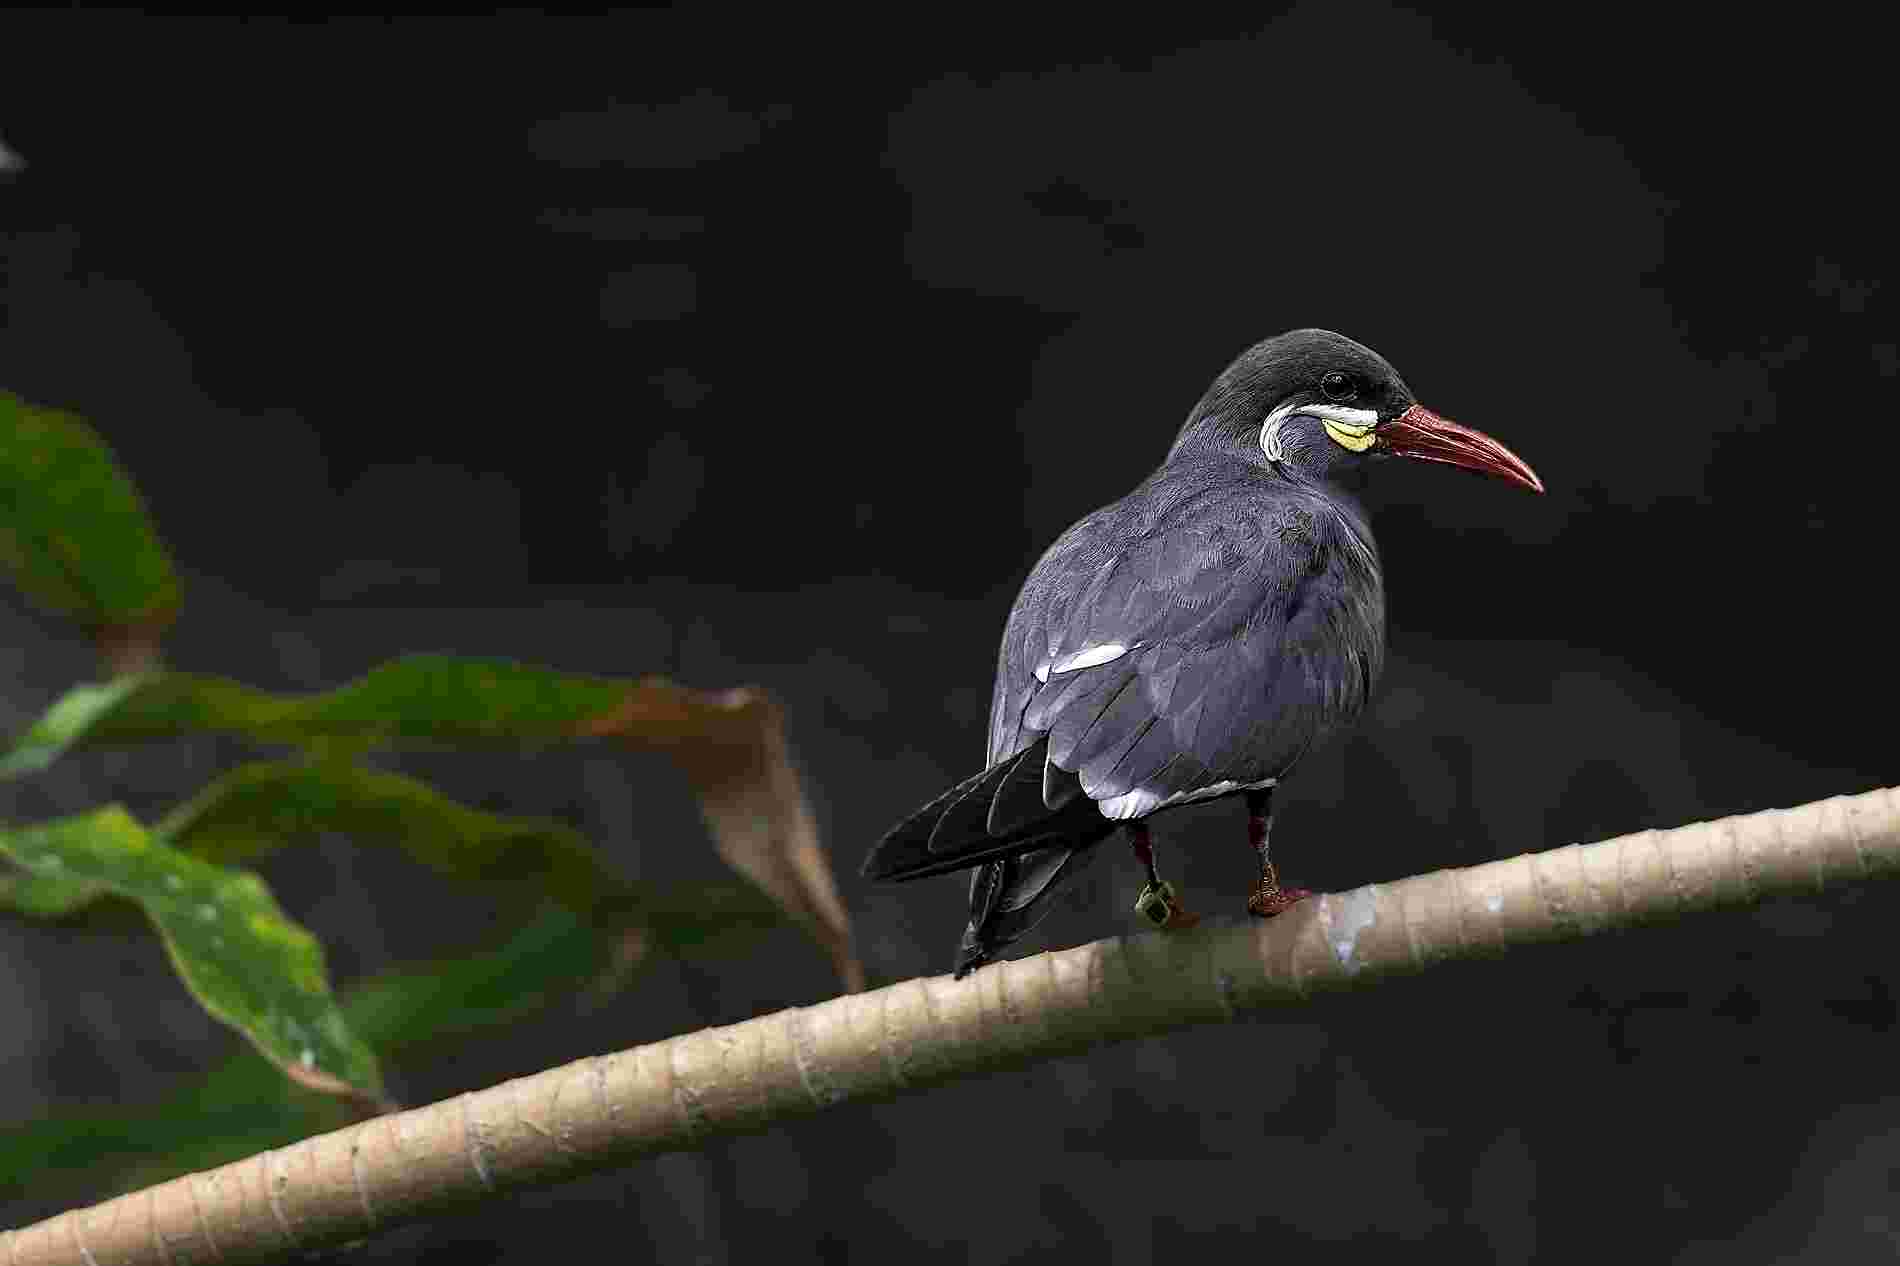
(1354, 439)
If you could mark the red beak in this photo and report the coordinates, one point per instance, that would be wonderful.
(1420, 433)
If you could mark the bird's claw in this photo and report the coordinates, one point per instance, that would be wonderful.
(1161, 906)
(1269, 901)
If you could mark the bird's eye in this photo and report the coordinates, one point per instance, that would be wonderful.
(1338, 386)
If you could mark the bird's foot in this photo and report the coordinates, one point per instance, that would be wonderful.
(1270, 899)
(1161, 906)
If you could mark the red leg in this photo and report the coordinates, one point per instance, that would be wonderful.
(1268, 898)
(1158, 903)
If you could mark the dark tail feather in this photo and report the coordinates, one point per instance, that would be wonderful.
(1010, 897)
(907, 844)
(986, 816)
(975, 854)
(1018, 800)
(967, 817)
(1025, 827)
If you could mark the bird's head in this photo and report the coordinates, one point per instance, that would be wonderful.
(1314, 405)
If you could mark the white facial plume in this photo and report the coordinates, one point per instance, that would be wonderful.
(1348, 427)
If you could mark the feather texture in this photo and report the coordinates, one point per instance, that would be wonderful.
(1246, 644)
(1190, 641)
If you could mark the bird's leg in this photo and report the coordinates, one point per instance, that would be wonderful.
(1268, 898)
(1158, 902)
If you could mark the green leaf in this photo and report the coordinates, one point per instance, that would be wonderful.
(50, 896)
(729, 744)
(74, 714)
(416, 1007)
(244, 960)
(258, 808)
(255, 809)
(73, 530)
(245, 1106)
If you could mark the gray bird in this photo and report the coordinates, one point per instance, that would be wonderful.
(1189, 642)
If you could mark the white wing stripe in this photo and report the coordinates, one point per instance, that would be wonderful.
(1139, 803)
(1087, 657)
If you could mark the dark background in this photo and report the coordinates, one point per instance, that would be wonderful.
(774, 349)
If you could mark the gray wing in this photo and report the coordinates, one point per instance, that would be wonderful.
(1203, 647)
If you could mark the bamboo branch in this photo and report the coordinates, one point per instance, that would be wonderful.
(605, 1111)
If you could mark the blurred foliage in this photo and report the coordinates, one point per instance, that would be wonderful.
(729, 744)
(244, 1105)
(74, 533)
(75, 536)
(257, 808)
(241, 956)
